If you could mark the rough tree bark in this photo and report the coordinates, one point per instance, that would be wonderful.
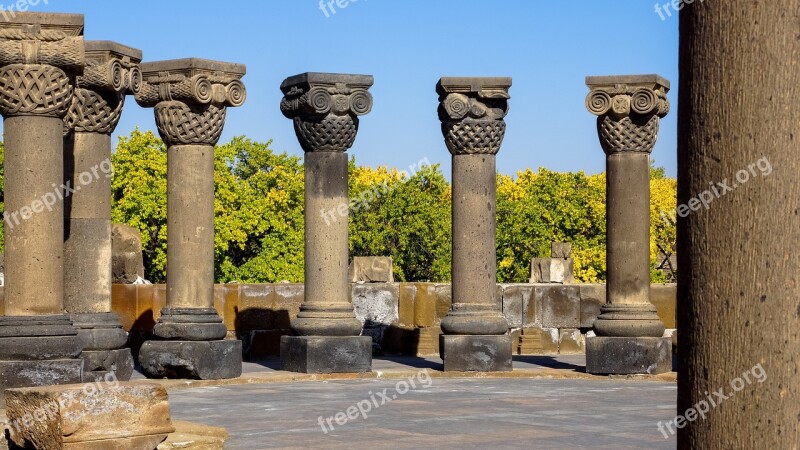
(739, 298)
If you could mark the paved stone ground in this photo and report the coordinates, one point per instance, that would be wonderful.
(450, 413)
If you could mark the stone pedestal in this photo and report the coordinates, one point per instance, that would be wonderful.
(325, 110)
(629, 109)
(475, 353)
(626, 355)
(472, 112)
(112, 72)
(326, 354)
(41, 55)
(191, 97)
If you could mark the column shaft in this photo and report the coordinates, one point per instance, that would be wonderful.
(34, 255)
(87, 244)
(628, 228)
(190, 226)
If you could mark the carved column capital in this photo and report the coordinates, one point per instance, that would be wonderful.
(112, 72)
(325, 108)
(472, 112)
(629, 109)
(191, 97)
(40, 56)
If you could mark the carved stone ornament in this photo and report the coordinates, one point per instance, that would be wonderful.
(191, 97)
(472, 112)
(112, 72)
(629, 109)
(40, 56)
(325, 108)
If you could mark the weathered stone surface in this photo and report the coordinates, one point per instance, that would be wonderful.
(376, 304)
(286, 304)
(256, 308)
(539, 341)
(665, 298)
(93, 416)
(593, 297)
(571, 342)
(560, 250)
(326, 354)
(193, 436)
(476, 353)
(408, 292)
(444, 301)
(371, 269)
(516, 337)
(96, 364)
(425, 305)
(126, 254)
(426, 341)
(626, 355)
(558, 306)
(515, 300)
(551, 270)
(15, 374)
(197, 360)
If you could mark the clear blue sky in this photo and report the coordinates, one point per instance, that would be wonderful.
(548, 47)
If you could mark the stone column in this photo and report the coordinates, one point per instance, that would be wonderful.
(191, 97)
(112, 72)
(475, 332)
(40, 54)
(629, 332)
(325, 110)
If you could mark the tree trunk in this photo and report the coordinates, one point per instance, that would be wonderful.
(738, 286)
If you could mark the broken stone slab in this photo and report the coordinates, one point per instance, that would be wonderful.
(560, 250)
(558, 305)
(194, 360)
(376, 304)
(326, 354)
(571, 342)
(476, 353)
(371, 269)
(194, 436)
(126, 254)
(628, 355)
(93, 416)
(550, 270)
(40, 373)
(98, 364)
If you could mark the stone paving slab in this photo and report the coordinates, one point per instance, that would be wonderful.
(450, 413)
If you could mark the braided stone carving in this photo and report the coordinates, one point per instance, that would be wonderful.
(38, 69)
(112, 73)
(472, 111)
(191, 98)
(629, 110)
(325, 109)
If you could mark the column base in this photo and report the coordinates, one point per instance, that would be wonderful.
(190, 324)
(194, 360)
(628, 355)
(97, 365)
(20, 374)
(100, 331)
(463, 353)
(326, 354)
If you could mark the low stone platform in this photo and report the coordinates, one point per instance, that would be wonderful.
(318, 354)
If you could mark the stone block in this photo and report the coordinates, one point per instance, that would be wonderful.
(550, 270)
(376, 334)
(94, 416)
(376, 304)
(665, 298)
(516, 336)
(444, 300)
(326, 354)
(96, 364)
(425, 305)
(405, 308)
(195, 360)
(560, 250)
(262, 343)
(426, 341)
(126, 249)
(399, 341)
(539, 341)
(286, 304)
(628, 356)
(593, 297)
(476, 353)
(16, 374)
(255, 311)
(558, 306)
(515, 298)
(571, 342)
(193, 436)
(371, 269)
